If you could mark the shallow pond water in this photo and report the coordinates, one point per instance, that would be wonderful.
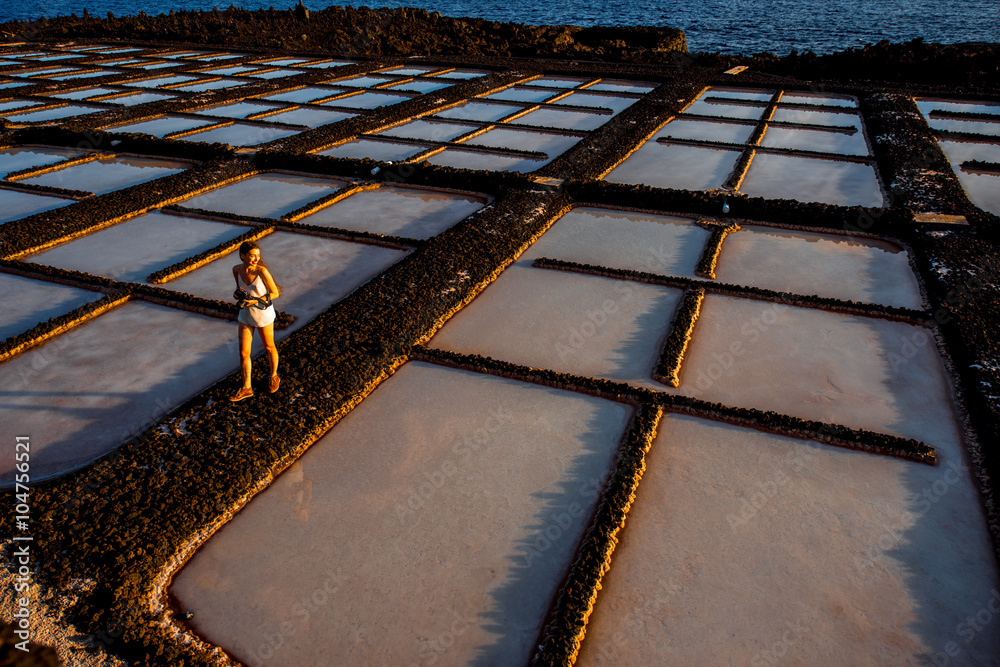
(597, 100)
(209, 85)
(566, 120)
(270, 195)
(863, 372)
(237, 109)
(30, 302)
(429, 130)
(15, 204)
(161, 127)
(481, 111)
(815, 140)
(395, 211)
(622, 86)
(661, 244)
(240, 134)
(376, 150)
(827, 265)
(551, 144)
(102, 176)
(368, 100)
(151, 358)
(730, 524)
(24, 157)
(421, 86)
(521, 94)
(568, 322)
(161, 81)
(55, 113)
(309, 117)
(812, 180)
(132, 250)
(442, 468)
(470, 159)
(303, 95)
(704, 130)
(676, 166)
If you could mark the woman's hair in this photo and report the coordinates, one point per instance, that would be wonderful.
(247, 246)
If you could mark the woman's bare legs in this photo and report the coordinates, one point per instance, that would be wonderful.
(267, 338)
(245, 339)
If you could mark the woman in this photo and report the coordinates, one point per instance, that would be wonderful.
(254, 290)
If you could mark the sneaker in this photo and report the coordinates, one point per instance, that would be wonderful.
(244, 392)
(272, 385)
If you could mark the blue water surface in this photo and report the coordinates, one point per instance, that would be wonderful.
(727, 26)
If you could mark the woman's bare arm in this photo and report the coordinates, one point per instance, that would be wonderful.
(272, 287)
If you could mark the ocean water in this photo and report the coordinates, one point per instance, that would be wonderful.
(727, 26)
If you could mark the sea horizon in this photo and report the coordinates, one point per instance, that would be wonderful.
(734, 26)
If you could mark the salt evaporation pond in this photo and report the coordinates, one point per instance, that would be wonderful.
(863, 372)
(150, 358)
(108, 174)
(676, 166)
(161, 127)
(15, 204)
(519, 94)
(313, 273)
(304, 95)
(587, 99)
(815, 140)
(476, 489)
(572, 323)
(566, 120)
(24, 157)
(240, 134)
(29, 302)
(481, 111)
(429, 130)
(269, 195)
(795, 553)
(421, 86)
(983, 188)
(706, 130)
(238, 109)
(375, 149)
(809, 179)
(12, 105)
(471, 159)
(828, 265)
(134, 249)
(662, 244)
(53, 113)
(309, 117)
(367, 100)
(394, 211)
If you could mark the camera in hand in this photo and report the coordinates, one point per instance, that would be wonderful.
(241, 297)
